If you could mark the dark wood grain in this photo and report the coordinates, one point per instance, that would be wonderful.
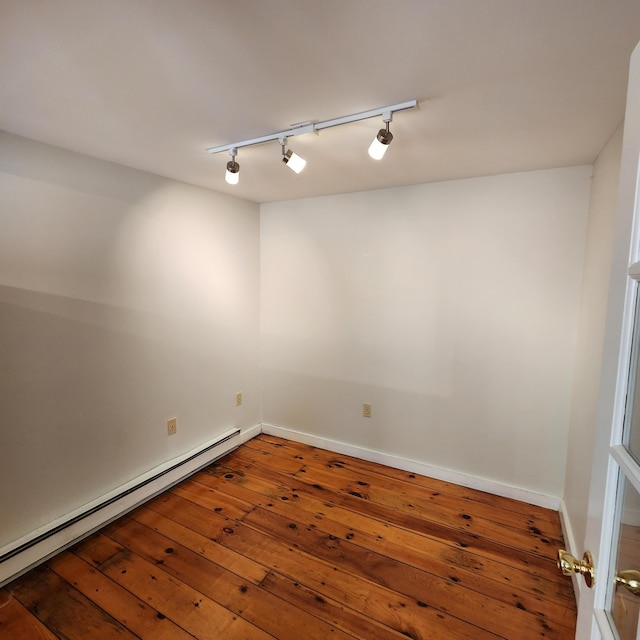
(17, 622)
(283, 540)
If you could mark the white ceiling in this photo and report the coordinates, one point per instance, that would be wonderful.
(502, 85)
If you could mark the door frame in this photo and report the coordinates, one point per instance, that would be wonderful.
(609, 456)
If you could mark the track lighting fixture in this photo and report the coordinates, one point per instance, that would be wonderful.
(382, 141)
(294, 161)
(232, 174)
(291, 159)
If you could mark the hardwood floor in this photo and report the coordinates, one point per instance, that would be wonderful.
(282, 540)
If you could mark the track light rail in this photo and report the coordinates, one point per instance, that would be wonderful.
(385, 112)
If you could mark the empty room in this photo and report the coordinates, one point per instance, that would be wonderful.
(318, 319)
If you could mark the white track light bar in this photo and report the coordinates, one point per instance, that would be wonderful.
(385, 112)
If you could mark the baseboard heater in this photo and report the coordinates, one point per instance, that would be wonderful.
(42, 544)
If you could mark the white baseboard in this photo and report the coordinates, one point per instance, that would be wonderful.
(567, 531)
(422, 468)
(37, 546)
(570, 545)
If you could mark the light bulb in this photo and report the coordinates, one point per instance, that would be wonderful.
(380, 144)
(294, 161)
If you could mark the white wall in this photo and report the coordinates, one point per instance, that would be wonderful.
(451, 307)
(593, 309)
(125, 299)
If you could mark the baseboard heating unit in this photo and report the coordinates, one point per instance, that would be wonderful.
(36, 547)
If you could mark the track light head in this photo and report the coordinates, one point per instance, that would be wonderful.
(232, 175)
(291, 159)
(382, 141)
(294, 161)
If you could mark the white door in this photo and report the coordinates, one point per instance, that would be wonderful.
(610, 610)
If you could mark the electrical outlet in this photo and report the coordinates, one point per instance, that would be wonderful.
(238, 398)
(366, 409)
(172, 426)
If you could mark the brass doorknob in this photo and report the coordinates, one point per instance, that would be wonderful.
(570, 565)
(630, 580)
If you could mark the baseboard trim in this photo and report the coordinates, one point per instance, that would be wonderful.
(570, 545)
(422, 468)
(37, 546)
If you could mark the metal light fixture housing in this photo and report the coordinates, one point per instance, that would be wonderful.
(382, 141)
(232, 175)
(291, 159)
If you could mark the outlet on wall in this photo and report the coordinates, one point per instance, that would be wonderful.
(172, 426)
(238, 398)
(366, 409)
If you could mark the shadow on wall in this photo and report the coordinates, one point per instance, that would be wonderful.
(54, 166)
(463, 431)
(125, 299)
(83, 391)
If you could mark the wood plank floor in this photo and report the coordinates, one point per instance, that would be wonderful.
(282, 540)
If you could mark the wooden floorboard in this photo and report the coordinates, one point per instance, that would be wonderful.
(283, 540)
